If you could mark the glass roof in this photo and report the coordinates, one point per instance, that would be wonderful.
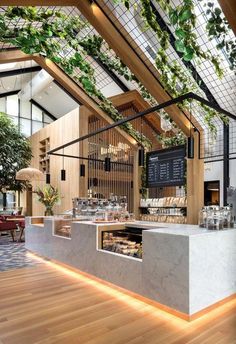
(223, 91)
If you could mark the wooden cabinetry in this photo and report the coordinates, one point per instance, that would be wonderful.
(44, 161)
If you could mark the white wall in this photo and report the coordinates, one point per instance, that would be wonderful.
(232, 172)
(214, 171)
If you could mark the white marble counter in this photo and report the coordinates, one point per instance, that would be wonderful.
(183, 267)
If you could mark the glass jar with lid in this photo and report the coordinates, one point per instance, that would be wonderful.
(228, 217)
(202, 217)
(215, 220)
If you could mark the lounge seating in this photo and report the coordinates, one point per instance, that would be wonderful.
(8, 226)
(7, 223)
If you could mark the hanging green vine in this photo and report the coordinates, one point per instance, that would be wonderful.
(172, 141)
(183, 19)
(172, 76)
(53, 34)
(218, 28)
(97, 48)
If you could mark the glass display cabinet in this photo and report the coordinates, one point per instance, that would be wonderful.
(126, 242)
(62, 226)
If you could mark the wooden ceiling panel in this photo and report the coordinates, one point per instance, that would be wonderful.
(229, 8)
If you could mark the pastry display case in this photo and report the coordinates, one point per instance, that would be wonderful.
(62, 226)
(126, 241)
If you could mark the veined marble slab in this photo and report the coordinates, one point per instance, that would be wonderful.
(184, 267)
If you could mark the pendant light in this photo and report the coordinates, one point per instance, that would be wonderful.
(29, 174)
(107, 162)
(48, 178)
(141, 152)
(82, 170)
(82, 166)
(141, 156)
(190, 148)
(190, 140)
(63, 171)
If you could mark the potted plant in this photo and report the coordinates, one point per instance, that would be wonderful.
(49, 196)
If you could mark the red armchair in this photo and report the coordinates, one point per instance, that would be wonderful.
(8, 226)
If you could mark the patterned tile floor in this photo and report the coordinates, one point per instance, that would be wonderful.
(13, 255)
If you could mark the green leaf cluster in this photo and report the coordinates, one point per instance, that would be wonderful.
(218, 28)
(15, 154)
(52, 34)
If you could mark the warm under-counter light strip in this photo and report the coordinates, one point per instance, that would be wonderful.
(136, 302)
(115, 292)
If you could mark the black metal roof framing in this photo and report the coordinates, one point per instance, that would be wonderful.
(179, 99)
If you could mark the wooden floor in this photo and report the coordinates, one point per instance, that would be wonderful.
(49, 304)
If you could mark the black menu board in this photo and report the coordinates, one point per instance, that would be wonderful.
(166, 167)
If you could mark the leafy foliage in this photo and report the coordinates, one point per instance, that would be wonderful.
(49, 195)
(172, 76)
(218, 28)
(15, 154)
(171, 141)
(55, 33)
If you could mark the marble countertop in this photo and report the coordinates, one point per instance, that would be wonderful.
(164, 228)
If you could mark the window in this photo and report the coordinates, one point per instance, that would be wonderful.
(36, 126)
(2, 104)
(25, 126)
(37, 114)
(47, 119)
(12, 105)
(29, 117)
(25, 109)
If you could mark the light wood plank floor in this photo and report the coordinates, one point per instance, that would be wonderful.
(49, 304)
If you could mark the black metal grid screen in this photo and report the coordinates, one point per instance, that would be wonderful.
(222, 90)
(132, 23)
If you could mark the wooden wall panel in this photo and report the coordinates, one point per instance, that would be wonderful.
(63, 130)
(195, 184)
(229, 8)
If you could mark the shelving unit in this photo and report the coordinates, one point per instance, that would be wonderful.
(44, 161)
(164, 214)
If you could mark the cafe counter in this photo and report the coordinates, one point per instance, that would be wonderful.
(183, 268)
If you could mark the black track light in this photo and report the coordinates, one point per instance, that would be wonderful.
(63, 175)
(82, 170)
(190, 147)
(141, 155)
(107, 165)
(48, 178)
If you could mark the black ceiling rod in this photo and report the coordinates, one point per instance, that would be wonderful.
(10, 93)
(112, 75)
(177, 100)
(90, 159)
(226, 178)
(43, 109)
(21, 71)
